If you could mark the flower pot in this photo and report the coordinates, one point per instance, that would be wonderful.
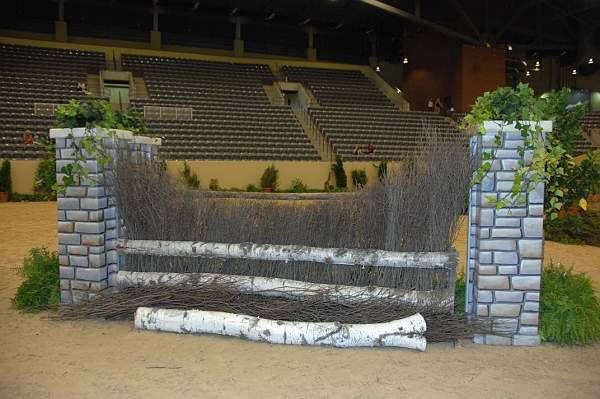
(267, 190)
(3, 196)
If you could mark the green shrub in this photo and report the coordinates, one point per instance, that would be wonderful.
(213, 185)
(85, 114)
(5, 179)
(359, 178)
(341, 180)
(251, 188)
(189, 178)
(382, 169)
(298, 186)
(583, 229)
(41, 286)
(130, 120)
(569, 307)
(460, 288)
(19, 197)
(270, 178)
(45, 179)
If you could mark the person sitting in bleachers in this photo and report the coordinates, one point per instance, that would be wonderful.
(27, 137)
(370, 149)
(81, 86)
(356, 151)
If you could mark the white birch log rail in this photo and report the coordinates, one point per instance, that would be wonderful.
(403, 333)
(279, 287)
(287, 253)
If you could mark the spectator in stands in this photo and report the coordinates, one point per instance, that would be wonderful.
(430, 105)
(370, 149)
(356, 151)
(438, 106)
(81, 86)
(27, 137)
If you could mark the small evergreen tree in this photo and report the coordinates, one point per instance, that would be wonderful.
(5, 179)
(341, 180)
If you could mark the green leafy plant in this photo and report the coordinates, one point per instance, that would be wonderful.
(551, 160)
(270, 178)
(44, 183)
(214, 185)
(460, 292)
(359, 178)
(40, 289)
(5, 179)
(190, 179)
(92, 113)
(382, 169)
(582, 228)
(569, 307)
(130, 120)
(20, 197)
(341, 180)
(298, 186)
(251, 188)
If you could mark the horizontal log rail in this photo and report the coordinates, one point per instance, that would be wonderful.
(289, 253)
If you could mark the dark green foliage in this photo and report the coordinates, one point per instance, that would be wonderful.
(460, 288)
(130, 120)
(5, 179)
(382, 169)
(298, 186)
(359, 178)
(18, 197)
(44, 184)
(213, 185)
(341, 180)
(270, 178)
(570, 309)
(251, 188)
(583, 228)
(87, 114)
(190, 179)
(41, 286)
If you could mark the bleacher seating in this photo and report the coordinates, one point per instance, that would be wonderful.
(233, 118)
(32, 74)
(590, 120)
(354, 114)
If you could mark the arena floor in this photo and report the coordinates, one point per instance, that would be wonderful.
(95, 359)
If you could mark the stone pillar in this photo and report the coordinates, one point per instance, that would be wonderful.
(155, 35)
(506, 246)
(238, 43)
(88, 221)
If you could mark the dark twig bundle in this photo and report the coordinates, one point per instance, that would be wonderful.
(442, 325)
(415, 208)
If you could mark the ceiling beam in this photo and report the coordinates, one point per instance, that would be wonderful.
(515, 17)
(420, 21)
(461, 11)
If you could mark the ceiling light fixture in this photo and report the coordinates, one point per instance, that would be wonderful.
(338, 26)
(270, 17)
(574, 71)
(377, 68)
(527, 73)
(307, 20)
(405, 60)
(509, 47)
(537, 64)
(591, 61)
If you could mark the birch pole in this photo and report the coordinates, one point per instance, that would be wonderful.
(278, 287)
(289, 253)
(403, 333)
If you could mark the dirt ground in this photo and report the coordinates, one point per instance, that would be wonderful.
(40, 358)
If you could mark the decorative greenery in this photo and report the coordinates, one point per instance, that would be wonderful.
(341, 180)
(569, 307)
(41, 286)
(460, 292)
(382, 169)
(298, 186)
(582, 228)
(359, 178)
(251, 188)
(91, 114)
(270, 178)
(5, 179)
(20, 197)
(214, 185)
(44, 183)
(190, 179)
(551, 159)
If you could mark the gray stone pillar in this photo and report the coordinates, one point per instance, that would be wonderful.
(88, 221)
(506, 246)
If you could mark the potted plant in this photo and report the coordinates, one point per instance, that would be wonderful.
(5, 181)
(269, 180)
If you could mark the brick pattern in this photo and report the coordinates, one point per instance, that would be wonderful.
(505, 247)
(88, 222)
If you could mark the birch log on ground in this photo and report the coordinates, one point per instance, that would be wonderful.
(403, 333)
(288, 253)
(278, 287)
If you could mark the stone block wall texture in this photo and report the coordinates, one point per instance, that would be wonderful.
(505, 246)
(88, 219)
